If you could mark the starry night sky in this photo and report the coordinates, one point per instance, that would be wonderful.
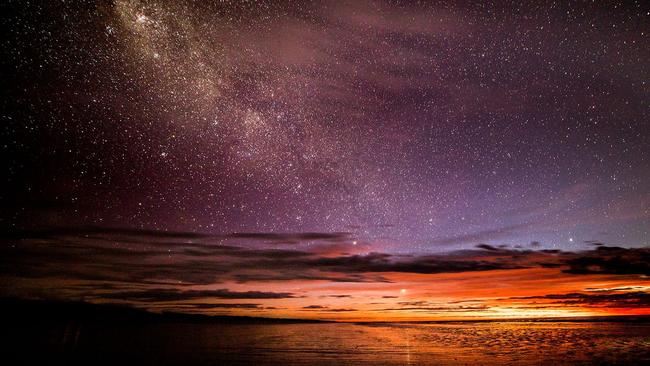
(399, 128)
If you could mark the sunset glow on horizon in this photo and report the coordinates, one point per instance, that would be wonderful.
(220, 275)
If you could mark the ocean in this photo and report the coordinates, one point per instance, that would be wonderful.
(461, 343)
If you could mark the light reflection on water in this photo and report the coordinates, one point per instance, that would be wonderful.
(379, 344)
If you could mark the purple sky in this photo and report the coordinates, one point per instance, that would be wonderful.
(416, 128)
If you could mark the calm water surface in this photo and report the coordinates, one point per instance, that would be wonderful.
(353, 344)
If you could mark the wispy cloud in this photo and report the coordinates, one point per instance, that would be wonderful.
(157, 295)
(480, 236)
(637, 299)
(173, 269)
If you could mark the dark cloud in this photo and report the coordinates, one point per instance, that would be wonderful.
(487, 247)
(624, 288)
(338, 296)
(594, 242)
(287, 275)
(639, 299)
(208, 306)
(75, 255)
(438, 309)
(413, 303)
(427, 306)
(140, 266)
(339, 310)
(159, 295)
(381, 262)
(154, 237)
(90, 258)
(611, 260)
(326, 309)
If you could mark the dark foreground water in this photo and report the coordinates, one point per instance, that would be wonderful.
(333, 344)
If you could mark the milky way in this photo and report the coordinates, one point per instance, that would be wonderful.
(407, 124)
(406, 128)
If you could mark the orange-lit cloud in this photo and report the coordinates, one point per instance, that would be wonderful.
(259, 275)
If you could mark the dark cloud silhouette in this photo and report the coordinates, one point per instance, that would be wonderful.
(438, 309)
(208, 306)
(326, 309)
(338, 296)
(611, 260)
(150, 267)
(154, 236)
(381, 262)
(625, 299)
(624, 288)
(487, 247)
(413, 303)
(594, 242)
(339, 310)
(78, 256)
(427, 306)
(158, 295)
(288, 275)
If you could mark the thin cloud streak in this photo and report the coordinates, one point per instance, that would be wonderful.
(154, 270)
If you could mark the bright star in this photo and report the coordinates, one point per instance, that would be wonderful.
(141, 18)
